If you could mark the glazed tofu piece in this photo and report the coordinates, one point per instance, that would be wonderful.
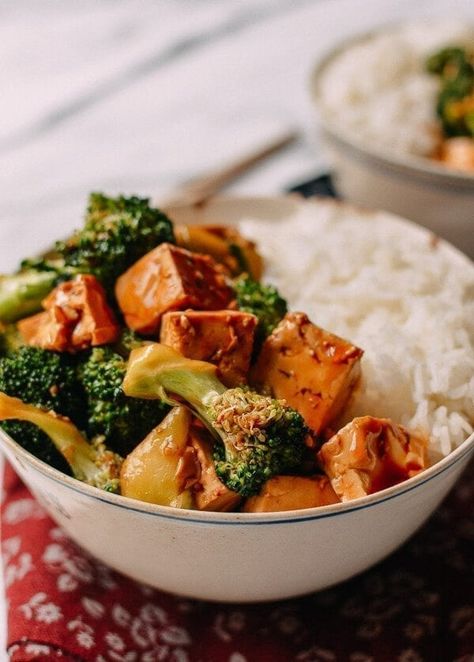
(292, 493)
(170, 278)
(312, 369)
(76, 317)
(369, 454)
(209, 492)
(222, 337)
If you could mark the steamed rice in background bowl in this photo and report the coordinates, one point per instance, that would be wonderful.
(379, 93)
(408, 302)
(376, 108)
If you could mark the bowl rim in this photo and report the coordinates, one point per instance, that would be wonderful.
(408, 165)
(279, 517)
(185, 515)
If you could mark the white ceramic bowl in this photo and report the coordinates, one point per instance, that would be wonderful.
(440, 198)
(240, 556)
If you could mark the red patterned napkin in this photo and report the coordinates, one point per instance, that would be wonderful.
(416, 606)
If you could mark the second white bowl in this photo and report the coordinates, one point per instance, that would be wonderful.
(417, 188)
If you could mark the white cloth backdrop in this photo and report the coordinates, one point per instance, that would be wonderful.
(131, 96)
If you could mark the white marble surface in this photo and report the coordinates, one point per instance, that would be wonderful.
(131, 96)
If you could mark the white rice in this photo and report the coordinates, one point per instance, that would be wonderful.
(388, 288)
(378, 92)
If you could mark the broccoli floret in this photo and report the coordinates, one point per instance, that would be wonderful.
(45, 379)
(262, 438)
(451, 57)
(455, 69)
(116, 233)
(122, 421)
(90, 463)
(127, 341)
(263, 301)
(257, 437)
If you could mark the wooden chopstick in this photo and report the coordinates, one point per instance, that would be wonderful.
(202, 188)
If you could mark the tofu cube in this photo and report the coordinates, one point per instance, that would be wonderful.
(210, 493)
(170, 278)
(312, 369)
(222, 337)
(292, 493)
(369, 454)
(76, 316)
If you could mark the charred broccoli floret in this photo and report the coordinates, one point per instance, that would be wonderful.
(116, 233)
(257, 437)
(263, 301)
(122, 421)
(45, 379)
(90, 463)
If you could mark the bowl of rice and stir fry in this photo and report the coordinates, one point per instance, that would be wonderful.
(250, 379)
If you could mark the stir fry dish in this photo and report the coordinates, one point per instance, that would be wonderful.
(454, 67)
(148, 359)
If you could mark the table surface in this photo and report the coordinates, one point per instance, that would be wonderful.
(137, 97)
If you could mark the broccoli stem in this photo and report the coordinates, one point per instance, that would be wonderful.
(157, 371)
(10, 339)
(257, 436)
(83, 458)
(21, 294)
